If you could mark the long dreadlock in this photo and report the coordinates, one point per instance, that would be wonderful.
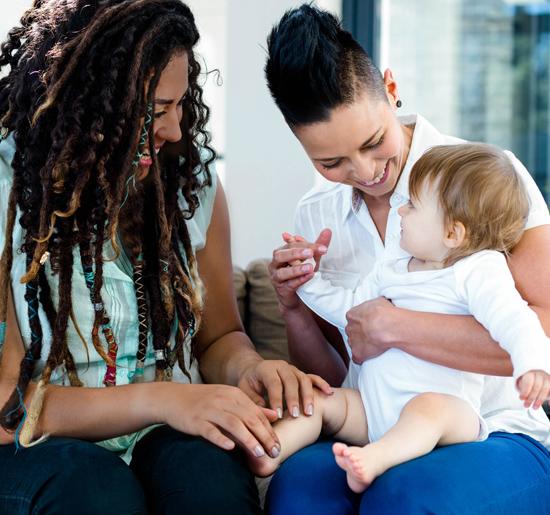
(82, 75)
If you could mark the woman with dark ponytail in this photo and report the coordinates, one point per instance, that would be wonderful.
(344, 113)
(116, 294)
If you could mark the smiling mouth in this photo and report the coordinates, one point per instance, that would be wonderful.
(146, 159)
(379, 179)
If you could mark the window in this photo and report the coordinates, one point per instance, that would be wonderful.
(476, 69)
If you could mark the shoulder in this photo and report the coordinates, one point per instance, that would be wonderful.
(322, 192)
(208, 180)
(426, 135)
(483, 257)
(7, 151)
(325, 205)
(327, 197)
(481, 266)
(538, 209)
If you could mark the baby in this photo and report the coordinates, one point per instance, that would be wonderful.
(467, 209)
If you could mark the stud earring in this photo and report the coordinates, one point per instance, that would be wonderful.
(398, 104)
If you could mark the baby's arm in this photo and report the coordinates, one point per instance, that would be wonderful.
(333, 302)
(492, 298)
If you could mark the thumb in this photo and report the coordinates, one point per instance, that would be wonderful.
(324, 237)
(270, 414)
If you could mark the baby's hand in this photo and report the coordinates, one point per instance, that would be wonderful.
(289, 238)
(534, 388)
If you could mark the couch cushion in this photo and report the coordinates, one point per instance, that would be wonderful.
(239, 282)
(264, 323)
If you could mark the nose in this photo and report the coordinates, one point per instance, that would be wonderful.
(169, 129)
(364, 167)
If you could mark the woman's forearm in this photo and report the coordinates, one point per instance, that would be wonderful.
(455, 341)
(309, 349)
(95, 413)
(224, 361)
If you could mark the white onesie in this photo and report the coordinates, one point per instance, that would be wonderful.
(480, 285)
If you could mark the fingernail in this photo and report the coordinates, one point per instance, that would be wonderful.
(295, 412)
(280, 412)
(307, 253)
(258, 451)
(275, 452)
(309, 410)
(322, 248)
(306, 268)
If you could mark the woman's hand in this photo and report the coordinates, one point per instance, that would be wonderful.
(534, 388)
(280, 379)
(288, 272)
(223, 415)
(370, 328)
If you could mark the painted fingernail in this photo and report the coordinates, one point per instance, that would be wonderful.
(295, 412)
(280, 412)
(258, 451)
(322, 248)
(307, 253)
(275, 452)
(309, 410)
(306, 268)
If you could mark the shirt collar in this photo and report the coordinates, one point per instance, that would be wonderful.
(348, 196)
(425, 136)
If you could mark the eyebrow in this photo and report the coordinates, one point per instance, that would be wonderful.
(166, 102)
(365, 143)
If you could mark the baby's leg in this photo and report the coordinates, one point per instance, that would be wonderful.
(340, 414)
(427, 420)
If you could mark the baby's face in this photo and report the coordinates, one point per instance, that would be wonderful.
(422, 226)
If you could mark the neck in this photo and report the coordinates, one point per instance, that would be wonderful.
(416, 265)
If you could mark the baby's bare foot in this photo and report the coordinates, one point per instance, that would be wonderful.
(359, 464)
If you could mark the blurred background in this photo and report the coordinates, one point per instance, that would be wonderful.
(478, 69)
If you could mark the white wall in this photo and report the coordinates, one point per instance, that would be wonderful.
(266, 169)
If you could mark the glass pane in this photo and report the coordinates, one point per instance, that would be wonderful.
(478, 69)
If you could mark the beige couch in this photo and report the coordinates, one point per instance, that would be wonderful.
(259, 310)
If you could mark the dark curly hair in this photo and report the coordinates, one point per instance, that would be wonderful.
(314, 65)
(82, 77)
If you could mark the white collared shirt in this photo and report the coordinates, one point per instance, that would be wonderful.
(356, 246)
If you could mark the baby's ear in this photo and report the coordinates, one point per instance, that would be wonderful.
(455, 235)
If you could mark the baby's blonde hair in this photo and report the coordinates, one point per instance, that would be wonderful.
(478, 186)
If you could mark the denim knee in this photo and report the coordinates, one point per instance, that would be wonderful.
(66, 475)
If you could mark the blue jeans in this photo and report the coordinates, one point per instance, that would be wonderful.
(508, 474)
(170, 473)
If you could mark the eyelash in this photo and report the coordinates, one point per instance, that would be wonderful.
(330, 167)
(162, 113)
(334, 165)
(378, 143)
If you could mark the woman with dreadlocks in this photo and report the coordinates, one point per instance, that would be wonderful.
(109, 208)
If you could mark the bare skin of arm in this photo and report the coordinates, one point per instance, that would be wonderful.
(455, 341)
(314, 345)
(99, 413)
(226, 356)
